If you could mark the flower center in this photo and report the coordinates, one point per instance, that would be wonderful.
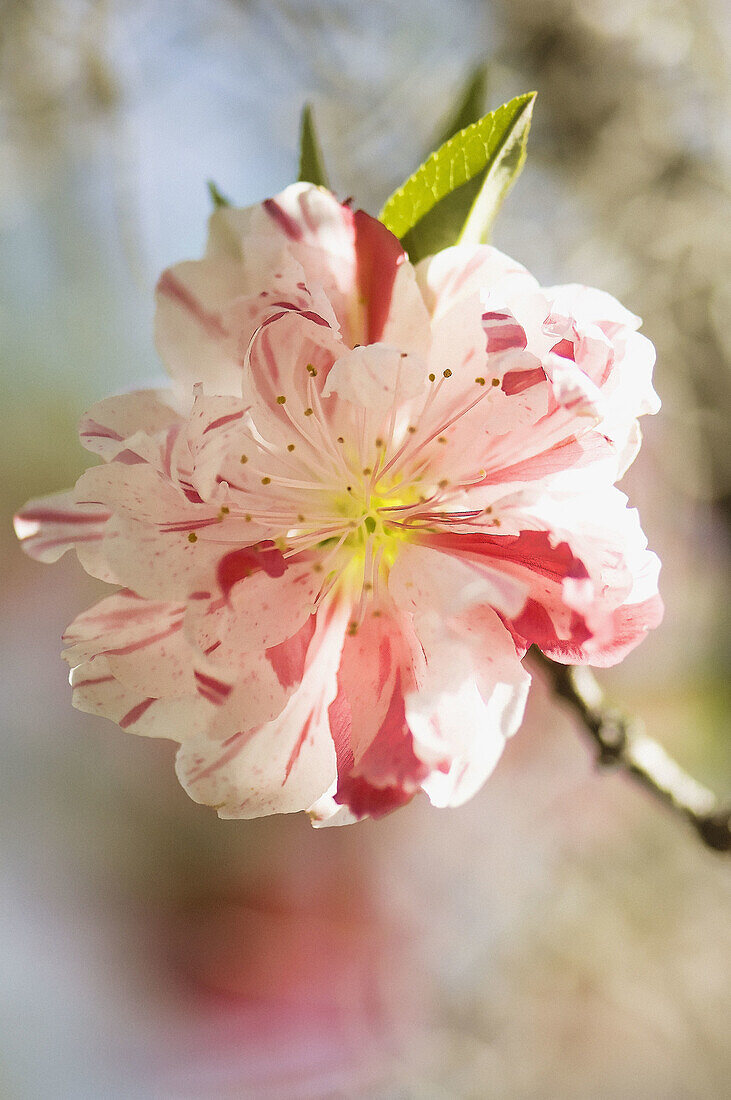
(372, 533)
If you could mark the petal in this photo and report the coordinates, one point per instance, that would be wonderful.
(304, 223)
(422, 577)
(106, 427)
(373, 377)
(132, 663)
(139, 491)
(282, 765)
(286, 368)
(465, 270)
(377, 768)
(261, 612)
(162, 562)
(195, 338)
(96, 691)
(545, 565)
(470, 698)
(49, 526)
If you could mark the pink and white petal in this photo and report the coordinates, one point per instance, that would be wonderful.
(195, 338)
(377, 768)
(96, 691)
(572, 456)
(391, 308)
(286, 368)
(282, 765)
(407, 325)
(131, 663)
(624, 602)
(141, 492)
(587, 304)
(310, 225)
(422, 577)
(219, 444)
(464, 270)
(107, 426)
(124, 623)
(49, 526)
(546, 566)
(377, 377)
(628, 382)
(470, 698)
(325, 812)
(628, 624)
(163, 563)
(261, 612)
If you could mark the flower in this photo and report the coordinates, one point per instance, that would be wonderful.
(370, 489)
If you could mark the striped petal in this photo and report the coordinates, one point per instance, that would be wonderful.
(49, 526)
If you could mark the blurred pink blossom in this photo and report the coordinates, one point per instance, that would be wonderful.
(370, 489)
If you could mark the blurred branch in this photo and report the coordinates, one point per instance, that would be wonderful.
(622, 744)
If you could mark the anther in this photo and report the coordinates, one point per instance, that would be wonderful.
(367, 471)
(442, 439)
(290, 447)
(243, 459)
(281, 400)
(192, 537)
(480, 381)
(225, 509)
(447, 373)
(411, 429)
(266, 481)
(308, 412)
(340, 439)
(443, 483)
(496, 381)
(432, 377)
(379, 442)
(311, 370)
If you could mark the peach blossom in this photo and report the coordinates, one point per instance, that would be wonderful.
(371, 487)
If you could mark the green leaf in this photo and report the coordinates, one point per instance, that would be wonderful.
(312, 165)
(469, 107)
(216, 197)
(454, 196)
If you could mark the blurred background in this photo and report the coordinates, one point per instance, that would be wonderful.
(558, 936)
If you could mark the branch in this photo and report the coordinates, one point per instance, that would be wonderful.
(621, 743)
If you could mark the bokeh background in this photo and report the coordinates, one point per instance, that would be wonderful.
(558, 936)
